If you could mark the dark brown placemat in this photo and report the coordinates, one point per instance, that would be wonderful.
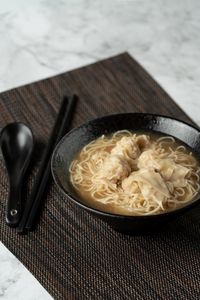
(73, 254)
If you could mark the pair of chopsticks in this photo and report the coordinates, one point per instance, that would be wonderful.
(33, 207)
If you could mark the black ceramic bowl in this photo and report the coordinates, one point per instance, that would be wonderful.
(73, 142)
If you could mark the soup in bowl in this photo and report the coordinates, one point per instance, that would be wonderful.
(136, 171)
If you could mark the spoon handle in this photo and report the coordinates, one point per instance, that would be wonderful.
(13, 211)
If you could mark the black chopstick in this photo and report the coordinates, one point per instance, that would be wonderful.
(32, 210)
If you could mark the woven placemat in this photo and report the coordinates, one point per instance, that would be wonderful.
(73, 254)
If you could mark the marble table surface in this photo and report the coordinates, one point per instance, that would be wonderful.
(41, 38)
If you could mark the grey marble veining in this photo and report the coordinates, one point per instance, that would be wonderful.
(40, 38)
(16, 283)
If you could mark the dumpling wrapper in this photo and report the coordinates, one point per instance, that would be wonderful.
(148, 192)
(149, 182)
(148, 160)
(115, 168)
(173, 172)
(178, 176)
(169, 170)
(127, 148)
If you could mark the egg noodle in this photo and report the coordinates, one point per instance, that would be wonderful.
(137, 173)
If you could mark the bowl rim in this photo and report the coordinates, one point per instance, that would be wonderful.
(180, 210)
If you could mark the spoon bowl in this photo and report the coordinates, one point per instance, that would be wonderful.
(16, 142)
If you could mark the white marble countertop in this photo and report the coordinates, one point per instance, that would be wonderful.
(40, 38)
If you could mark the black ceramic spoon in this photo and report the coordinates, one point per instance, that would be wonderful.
(16, 142)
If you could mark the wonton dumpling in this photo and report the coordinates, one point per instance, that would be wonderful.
(173, 172)
(115, 168)
(126, 147)
(148, 160)
(166, 168)
(148, 181)
(178, 176)
(148, 192)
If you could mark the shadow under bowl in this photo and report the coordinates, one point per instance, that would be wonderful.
(77, 138)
